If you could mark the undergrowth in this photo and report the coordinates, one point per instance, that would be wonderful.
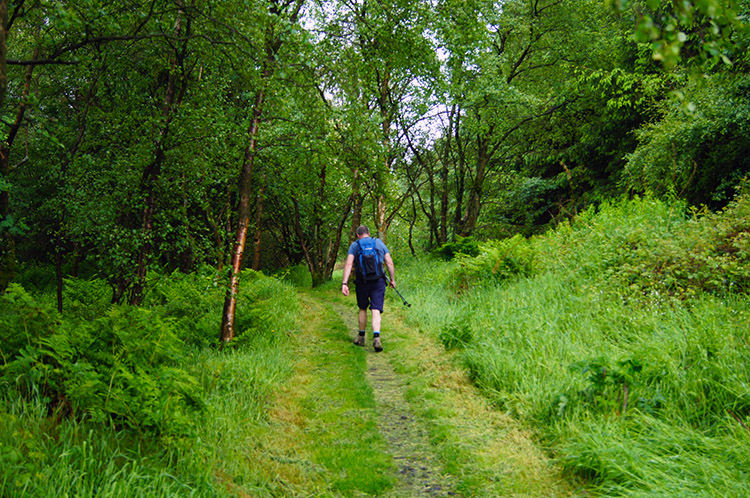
(114, 400)
(622, 339)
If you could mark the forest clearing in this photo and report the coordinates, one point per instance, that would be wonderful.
(559, 189)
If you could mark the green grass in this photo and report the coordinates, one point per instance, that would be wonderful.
(634, 387)
(41, 458)
(343, 435)
(51, 453)
(484, 452)
(620, 343)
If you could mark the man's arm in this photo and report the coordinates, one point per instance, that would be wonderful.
(391, 269)
(347, 272)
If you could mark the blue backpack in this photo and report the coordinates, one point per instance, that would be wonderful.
(369, 264)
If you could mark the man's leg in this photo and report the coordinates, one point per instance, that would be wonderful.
(377, 298)
(362, 319)
(375, 320)
(376, 344)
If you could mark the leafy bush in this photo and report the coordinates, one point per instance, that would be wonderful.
(24, 320)
(497, 261)
(701, 153)
(193, 301)
(118, 363)
(124, 366)
(711, 254)
(462, 245)
(85, 299)
(37, 277)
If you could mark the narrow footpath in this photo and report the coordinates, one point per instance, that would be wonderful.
(419, 469)
(403, 423)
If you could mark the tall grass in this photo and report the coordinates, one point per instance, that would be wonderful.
(47, 451)
(640, 386)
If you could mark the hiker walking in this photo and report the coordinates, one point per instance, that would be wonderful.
(367, 255)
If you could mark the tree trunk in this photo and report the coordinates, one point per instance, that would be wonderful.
(474, 202)
(273, 44)
(243, 218)
(443, 238)
(357, 201)
(7, 242)
(460, 175)
(152, 172)
(380, 218)
(320, 261)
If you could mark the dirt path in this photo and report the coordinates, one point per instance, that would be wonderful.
(403, 423)
(419, 469)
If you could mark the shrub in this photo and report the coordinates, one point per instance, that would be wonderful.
(124, 366)
(497, 261)
(86, 299)
(462, 245)
(193, 301)
(22, 321)
(710, 254)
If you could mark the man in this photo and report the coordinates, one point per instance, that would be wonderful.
(370, 287)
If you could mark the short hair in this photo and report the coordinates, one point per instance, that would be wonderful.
(363, 230)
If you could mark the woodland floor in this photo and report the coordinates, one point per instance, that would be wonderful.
(406, 422)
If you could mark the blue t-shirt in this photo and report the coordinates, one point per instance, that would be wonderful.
(379, 246)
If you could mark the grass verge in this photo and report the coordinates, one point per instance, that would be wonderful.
(487, 452)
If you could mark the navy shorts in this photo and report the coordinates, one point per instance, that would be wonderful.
(371, 294)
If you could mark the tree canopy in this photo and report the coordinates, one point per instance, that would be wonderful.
(163, 135)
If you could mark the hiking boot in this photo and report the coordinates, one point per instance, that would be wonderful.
(377, 345)
(359, 341)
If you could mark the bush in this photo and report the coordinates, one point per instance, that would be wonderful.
(496, 262)
(463, 245)
(121, 364)
(23, 321)
(710, 254)
(193, 301)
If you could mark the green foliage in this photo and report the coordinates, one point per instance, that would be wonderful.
(119, 401)
(709, 255)
(699, 148)
(610, 366)
(462, 245)
(39, 457)
(24, 321)
(190, 301)
(297, 275)
(128, 365)
(496, 262)
(266, 309)
(124, 366)
(674, 26)
(459, 332)
(85, 298)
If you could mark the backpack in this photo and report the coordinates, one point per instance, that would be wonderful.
(369, 264)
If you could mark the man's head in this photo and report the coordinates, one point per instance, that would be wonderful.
(362, 231)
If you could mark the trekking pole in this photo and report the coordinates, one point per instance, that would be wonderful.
(388, 281)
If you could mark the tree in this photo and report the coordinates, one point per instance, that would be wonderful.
(380, 62)
(277, 20)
